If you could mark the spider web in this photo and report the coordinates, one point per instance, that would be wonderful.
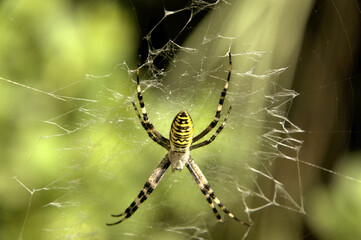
(92, 158)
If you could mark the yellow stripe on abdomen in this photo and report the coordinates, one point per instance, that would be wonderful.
(181, 132)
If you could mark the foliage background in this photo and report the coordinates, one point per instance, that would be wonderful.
(50, 46)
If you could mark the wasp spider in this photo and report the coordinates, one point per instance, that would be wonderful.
(179, 145)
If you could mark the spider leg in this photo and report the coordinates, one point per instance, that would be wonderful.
(206, 142)
(148, 188)
(145, 115)
(150, 133)
(221, 206)
(220, 105)
(198, 176)
(205, 193)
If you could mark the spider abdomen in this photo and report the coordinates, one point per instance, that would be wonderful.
(181, 132)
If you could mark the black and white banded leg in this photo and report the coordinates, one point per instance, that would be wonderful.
(206, 142)
(220, 105)
(149, 132)
(207, 191)
(148, 124)
(148, 188)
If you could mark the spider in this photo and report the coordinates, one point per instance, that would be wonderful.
(179, 145)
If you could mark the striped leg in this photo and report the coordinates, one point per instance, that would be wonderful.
(220, 105)
(148, 188)
(199, 175)
(150, 134)
(145, 115)
(201, 144)
(221, 205)
(205, 193)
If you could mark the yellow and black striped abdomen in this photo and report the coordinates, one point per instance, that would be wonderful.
(181, 132)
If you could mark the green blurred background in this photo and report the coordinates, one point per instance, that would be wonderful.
(72, 151)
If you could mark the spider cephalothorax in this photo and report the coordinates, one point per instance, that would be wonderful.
(179, 145)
